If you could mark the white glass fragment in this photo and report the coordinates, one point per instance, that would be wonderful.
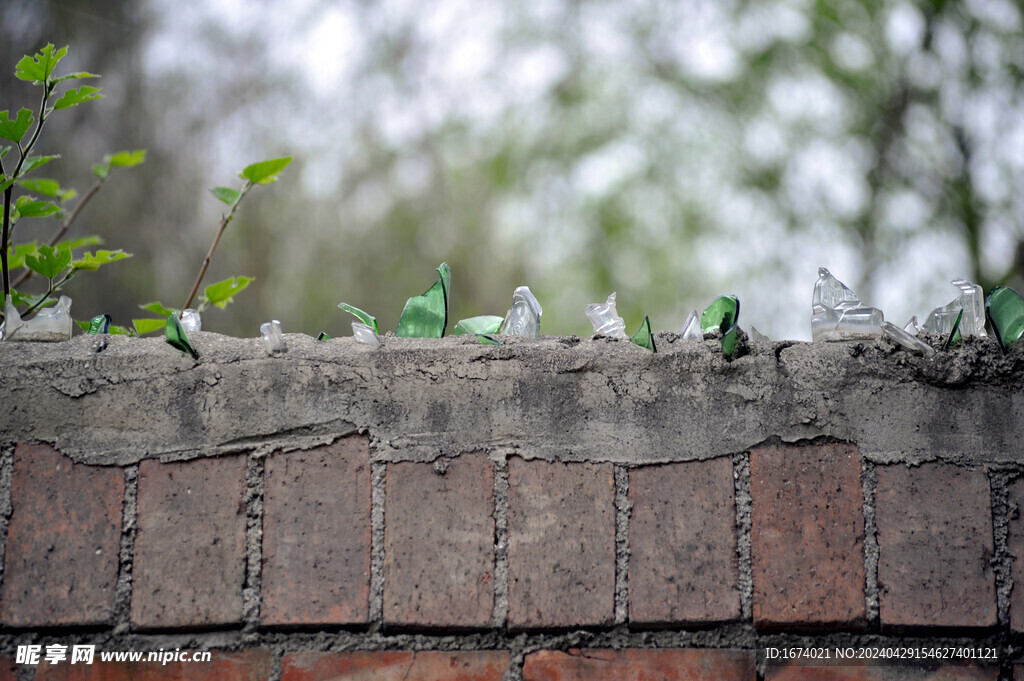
(364, 334)
(273, 339)
(191, 321)
(838, 315)
(691, 327)
(606, 319)
(757, 336)
(912, 327)
(971, 300)
(51, 324)
(901, 337)
(523, 318)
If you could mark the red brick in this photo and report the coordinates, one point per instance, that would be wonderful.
(7, 669)
(489, 665)
(1015, 540)
(851, 670)
(678, 664)
(247, 665)
(316, 535)
(561, 529)
(682, 544)
(63, 541)
(934, 547)
(439, 544)
(190, 545)
(807, 537)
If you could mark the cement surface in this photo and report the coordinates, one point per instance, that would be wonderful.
(560, 398)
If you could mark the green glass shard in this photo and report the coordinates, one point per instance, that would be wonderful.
(1004, 308)
(365, 318)
(487, 340)
(723, 315)
(176, 336)
(426, 316)
(323, 336)
(954, 335)
(643, 337)
(99, 325)
(478, 326)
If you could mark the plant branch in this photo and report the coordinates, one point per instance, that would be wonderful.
(224, 220)
(51, 288)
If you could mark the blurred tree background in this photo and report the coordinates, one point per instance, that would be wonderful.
(671, 150)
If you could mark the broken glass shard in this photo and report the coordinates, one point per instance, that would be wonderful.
(273, 339)
(51, 324)
(100, 324)
(523, 318)
(970, 301)
(364, 317)
(488, 323)
(954, 335)
(901, 337)
(323, 336)
(1005, 309)
(723, 314)
(488, 340)
(176, 337)
(643, 337)
(758, 337)
(606, 319)
(911, 326)
(426, 316)
(691, 327)
(365, 335)
(190, 320)
(838, 315)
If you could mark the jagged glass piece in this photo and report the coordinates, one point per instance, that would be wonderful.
(99, 325)
(488, 340)
(175, 335)
(1005, 309)
(488, 323)
(970, 301)
(643, 337)
(364, 317)
(606, 319)
(323, 336)
(190, 320)
(758, 337)
(901, 337)
(723, 314)
(426, 316)
(911, 326)
(954, 335)
(273, 339)
(51, 324)
(691, 327)
(838, 315)
(365, 335)
(523, 318)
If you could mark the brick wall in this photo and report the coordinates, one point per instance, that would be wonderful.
(563, 509)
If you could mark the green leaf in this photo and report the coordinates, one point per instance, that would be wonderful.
(39, 67)
(478, 326)
(116, 330)
(4, 150)
(364, 317)
(126, 159)
(77, 75)
(101, 171)
(723, 315)
(23, 299)
(15, 128)
(265, 172)
(80, 242)
(223, 292)
(48, 261)
(144, 326)
(16, 254)
(93, 261)
(226, 194)
(158, 308)
(176, 336)
(44, 186)
(29, 207)
(643, 337)
(426, 316)
(71, 98)
(33, 162)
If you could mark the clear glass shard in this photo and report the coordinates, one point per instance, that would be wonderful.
(176, 337)
(523, 318)
(49, 325)
(971, 300)
(273, 339)
(901, 337)
(488, 323)
(1005, 309)
(911, 327)
(190, 320)
(365, 335)
(838, 315)
(691, 327)
(99, 325)
(606, 319)
(758, 337)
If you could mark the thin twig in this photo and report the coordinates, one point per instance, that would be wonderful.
(225, 219)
